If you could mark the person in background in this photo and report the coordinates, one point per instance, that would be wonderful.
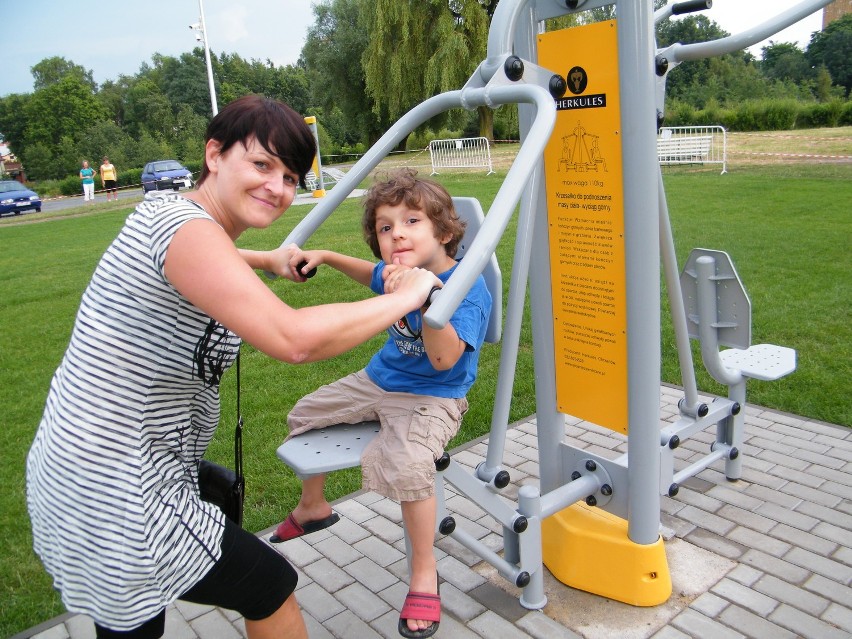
(112, 474)
(109, 178)
(415, 386)
(87, 176)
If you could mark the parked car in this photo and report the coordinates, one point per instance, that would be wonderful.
(164, 175)
(15, 198)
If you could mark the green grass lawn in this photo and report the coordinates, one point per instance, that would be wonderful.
(787, 229)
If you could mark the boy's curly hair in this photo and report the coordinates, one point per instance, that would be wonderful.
(402, 186)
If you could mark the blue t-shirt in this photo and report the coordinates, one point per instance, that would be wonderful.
(402, 365)
(88, 176)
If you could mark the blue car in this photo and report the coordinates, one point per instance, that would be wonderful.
(15, 198)
(165, 175)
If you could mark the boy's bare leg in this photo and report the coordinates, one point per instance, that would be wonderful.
(312, 504)
(419, 519)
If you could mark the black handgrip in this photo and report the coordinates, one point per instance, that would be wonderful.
(691, 6)
(309, 274)
(434, 290)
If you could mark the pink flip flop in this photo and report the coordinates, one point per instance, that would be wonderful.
(290, 528)
(420, 605)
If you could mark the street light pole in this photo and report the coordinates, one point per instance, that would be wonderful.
(202, 35)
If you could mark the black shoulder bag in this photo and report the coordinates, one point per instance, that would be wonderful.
(222, 486)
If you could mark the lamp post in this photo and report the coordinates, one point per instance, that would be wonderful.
(201, 36)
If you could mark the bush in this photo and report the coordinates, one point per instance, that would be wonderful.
(820, 114)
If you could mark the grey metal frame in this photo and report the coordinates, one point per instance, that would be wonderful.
(567, 474)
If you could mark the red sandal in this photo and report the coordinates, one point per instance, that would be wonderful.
(420, 605)
(290, 528)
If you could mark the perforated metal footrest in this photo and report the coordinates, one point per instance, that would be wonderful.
(328, 449)
(766, 362)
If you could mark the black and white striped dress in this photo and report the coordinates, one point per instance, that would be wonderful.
(112, 473)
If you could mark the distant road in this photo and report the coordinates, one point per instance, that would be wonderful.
(131, 195)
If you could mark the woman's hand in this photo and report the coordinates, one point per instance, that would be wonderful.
(285, 260)
(392, 275)
(414, 281)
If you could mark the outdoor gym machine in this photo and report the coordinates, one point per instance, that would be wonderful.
(595, 237)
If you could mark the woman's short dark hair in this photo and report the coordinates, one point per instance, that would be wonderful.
(278, 128)
(403, 186)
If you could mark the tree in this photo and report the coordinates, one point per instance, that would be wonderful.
(62, 109)
(12, 125)
(785, 61)
(832, 48)
(51, 70)
(332, 55)
(405, 63)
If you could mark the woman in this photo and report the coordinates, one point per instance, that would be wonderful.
(112, 474)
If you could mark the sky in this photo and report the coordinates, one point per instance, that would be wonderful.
(113, 39)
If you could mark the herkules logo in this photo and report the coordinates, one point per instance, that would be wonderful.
(577, 80)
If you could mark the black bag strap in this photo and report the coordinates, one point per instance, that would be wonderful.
(238, 433)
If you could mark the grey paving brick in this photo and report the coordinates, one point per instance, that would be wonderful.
(706, 521)
(746, 518)
(328, 575)
(670, 632)
(460, 604)
(315, 628)
(493, 597)
(709, 604)
(820, 565)
(786, 516)
(697, 625)
(490, 624)
(826, 514)
(214, 624)
(831, 532)
(348, 531)
(752, 625)
(355, 510)
(804, 624)
(81, 627)
(389, 509)
(735, 494)
(744, 597)
(370, 574)
(830, 474)
(752, 539)
(379, 551)
(318, 603)
(699, 500)
(298, 551)
(839, 616)
(338, 551)
(189, 610)
(361, 601)
(804, 539)
(796, 596)
(178, 628)
(716, 543)
(807, 493)
(540, 626)
(843, 555)
(783, 460)
(829, 589)
(458, 574)
(347, 625)
(58, 631)
(774, 566)
(745, 575)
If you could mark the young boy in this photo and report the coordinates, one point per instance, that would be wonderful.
(415, 386)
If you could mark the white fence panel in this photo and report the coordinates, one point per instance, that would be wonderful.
(462, 153)
(693, 145)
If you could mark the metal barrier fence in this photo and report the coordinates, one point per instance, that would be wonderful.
(463, 153)
(693, 145)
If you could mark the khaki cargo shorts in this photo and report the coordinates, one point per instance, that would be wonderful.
(400, 462)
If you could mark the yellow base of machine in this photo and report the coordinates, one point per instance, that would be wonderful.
(588, 549)
(319, 193)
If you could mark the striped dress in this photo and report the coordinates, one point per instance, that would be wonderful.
(112, 472)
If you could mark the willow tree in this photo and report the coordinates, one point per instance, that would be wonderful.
(419, 48)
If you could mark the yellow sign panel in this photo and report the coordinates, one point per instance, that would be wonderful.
(585, 202)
